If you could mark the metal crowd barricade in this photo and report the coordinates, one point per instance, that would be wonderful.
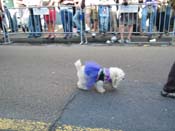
(61, 29)
(162, 28)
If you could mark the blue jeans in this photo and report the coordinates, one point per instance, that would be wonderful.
(103, 12)
(104, 21)
(34, 25)
(151, 19)
(66, 18)
(78, 18)
(168, 18)
(11, 15)
(163, 20)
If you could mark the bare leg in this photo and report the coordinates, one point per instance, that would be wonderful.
(121, 30)
(130, 30)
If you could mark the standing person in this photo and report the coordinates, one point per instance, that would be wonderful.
(127, 18)
(34, 22)
(50, 19)
(67, 16)
(169, 87)
(149, 10)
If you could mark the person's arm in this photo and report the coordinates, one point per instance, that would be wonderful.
(1, 6)
(52, 2)
(59, 1)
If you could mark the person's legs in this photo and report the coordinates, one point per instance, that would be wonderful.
(76, 19)
(122, 27)
(70, 24)
(64, 21)
(87, 18)
(121, 30)
(151, 22)
(106, 23)
(143, 21)
(94, 16)
(169, 87)
(130, 30)
(37, 25)
(113, 21)
(52, 16)
(167, 18)
(30, 23)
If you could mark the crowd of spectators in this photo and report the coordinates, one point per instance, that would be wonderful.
(95, 16)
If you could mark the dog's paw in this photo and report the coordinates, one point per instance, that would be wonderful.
(81, 86)
(100, 90)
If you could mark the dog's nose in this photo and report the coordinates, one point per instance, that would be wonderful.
(123, 78)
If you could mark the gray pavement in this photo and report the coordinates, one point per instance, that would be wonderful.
(39, 83)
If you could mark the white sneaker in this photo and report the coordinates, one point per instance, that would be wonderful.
(128, 41)
(113, 38)
(121, 41)
(93, 35)
(108, 42)
(152, 40)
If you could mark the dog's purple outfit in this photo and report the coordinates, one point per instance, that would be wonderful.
(93, 72)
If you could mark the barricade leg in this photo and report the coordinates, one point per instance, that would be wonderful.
(173, 34)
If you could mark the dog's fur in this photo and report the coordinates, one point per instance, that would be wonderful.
(116, 75)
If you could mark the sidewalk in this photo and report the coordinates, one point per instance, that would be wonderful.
(99, 39)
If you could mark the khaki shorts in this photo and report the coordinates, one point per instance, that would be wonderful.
(93, 11)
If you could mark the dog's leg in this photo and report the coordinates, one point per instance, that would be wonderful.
(99, 87)
(115, 82)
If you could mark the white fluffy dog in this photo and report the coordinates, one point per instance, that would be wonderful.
(93, 75)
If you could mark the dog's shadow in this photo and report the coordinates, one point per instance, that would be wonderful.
(94, 91)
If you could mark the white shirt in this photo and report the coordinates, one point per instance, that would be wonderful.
(33, 2)
(91, 2)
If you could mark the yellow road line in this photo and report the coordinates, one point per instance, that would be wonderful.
(22, 125)
(28, 125)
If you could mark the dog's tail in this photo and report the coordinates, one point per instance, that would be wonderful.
(78, 64)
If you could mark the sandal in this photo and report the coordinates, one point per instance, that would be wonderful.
(48, 37)
(52, 37)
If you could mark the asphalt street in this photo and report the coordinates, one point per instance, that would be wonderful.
(38, 83)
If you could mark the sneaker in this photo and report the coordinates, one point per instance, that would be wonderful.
(113, 39)
(152, 40)
(93, 34)
(121, 41)
(127, 41)
(166, 94)
(108, 42)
